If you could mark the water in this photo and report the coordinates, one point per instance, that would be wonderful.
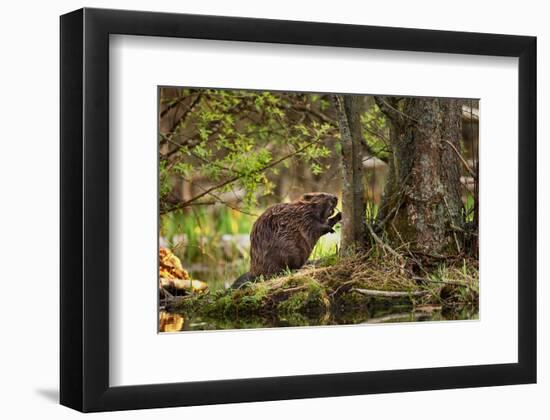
(173, 322)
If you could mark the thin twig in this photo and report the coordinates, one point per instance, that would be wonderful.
(472, 173)
(388, 109)
(376, 134)
(172, 105)
(406, 246)
(182, 119)
(235, 178)
(383, 244)
(451, 216)
(220, 200)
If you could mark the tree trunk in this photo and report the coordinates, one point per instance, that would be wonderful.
(422, 205)
(353, 198)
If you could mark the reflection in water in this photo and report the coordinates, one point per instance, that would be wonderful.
(172, 322)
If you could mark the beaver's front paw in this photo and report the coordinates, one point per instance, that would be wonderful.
(336, 218)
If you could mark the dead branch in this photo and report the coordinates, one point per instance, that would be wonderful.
(389, 294)
(383, 244)
(470, 171)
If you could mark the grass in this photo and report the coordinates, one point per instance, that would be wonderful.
(199, 229)
(326, 247)
(206, 240)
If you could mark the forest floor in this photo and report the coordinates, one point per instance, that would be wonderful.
(360, 283)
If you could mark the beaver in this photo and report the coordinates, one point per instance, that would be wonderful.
(285, 234)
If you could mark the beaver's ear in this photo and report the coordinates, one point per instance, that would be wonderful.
(308, 196)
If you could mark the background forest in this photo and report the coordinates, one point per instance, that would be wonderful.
(405, 170)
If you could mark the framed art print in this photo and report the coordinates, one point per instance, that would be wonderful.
(257, 209)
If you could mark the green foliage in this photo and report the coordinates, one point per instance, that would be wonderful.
(164, 180)
(241, 139)
(371, 212)
(376, 132)
(468, 210)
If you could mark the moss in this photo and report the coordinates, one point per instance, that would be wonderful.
(293, 304)
(234, 303)
(318, 293)
(312, 299)
(347, 301)
(220, 306)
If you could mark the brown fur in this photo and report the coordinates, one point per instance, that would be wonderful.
(285, 234)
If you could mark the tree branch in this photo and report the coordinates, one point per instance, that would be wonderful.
(182, 119)
(391, 112)
(470, 171)
(235, 178)
(172, 105)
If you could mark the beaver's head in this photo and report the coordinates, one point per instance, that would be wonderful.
(324, 203)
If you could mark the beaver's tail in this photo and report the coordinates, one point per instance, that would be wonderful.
(242, 280)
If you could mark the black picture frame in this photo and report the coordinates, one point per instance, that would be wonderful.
(84, 298)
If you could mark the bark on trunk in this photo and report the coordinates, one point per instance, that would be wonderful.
(422, 204)
(353, 197)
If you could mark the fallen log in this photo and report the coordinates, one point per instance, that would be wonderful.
(183, 284)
